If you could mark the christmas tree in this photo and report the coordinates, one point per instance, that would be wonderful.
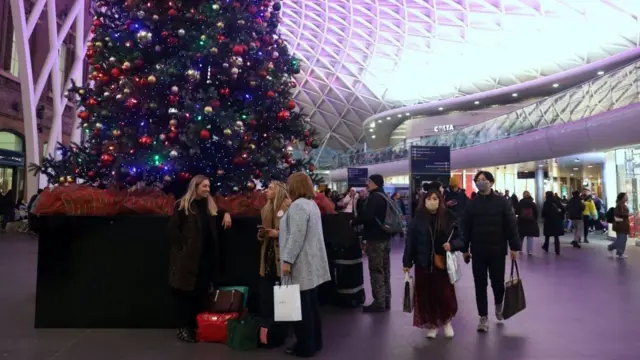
(185, 87)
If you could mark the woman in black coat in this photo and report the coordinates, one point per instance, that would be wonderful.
(553, 215)
(527, 212)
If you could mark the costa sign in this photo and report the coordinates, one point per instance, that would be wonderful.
(443, 128)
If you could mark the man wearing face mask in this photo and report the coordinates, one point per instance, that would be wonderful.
(490, 230)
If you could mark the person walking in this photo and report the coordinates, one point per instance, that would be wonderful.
(621, 226)
(575, 209)
(194, 257)
(377, 244)
(489, 230)
(303, 258)
(432, 233)
(553, 215)
(589, 214)
(455, 197)
(527, 213)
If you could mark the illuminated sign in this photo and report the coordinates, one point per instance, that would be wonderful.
(443, 128)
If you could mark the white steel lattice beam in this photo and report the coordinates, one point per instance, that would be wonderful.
(32, 91)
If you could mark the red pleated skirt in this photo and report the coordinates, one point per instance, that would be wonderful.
(434, 298)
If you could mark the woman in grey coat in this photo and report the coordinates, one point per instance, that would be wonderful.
(304, 260)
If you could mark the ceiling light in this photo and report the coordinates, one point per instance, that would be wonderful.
(590, 166)
(570, 174)
(441, 108)
(407, 114)
(373, 136)
(388, 117)
(514, 94)
(373, 124)
(540, 165)
(575, 169)
(371, 130)
(379, 121)
(399, 115)
(556, 85)
(477, 102)
(600, 72)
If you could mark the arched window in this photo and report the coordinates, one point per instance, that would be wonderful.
(11, 141)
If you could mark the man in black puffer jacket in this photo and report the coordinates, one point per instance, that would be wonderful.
(490, 230)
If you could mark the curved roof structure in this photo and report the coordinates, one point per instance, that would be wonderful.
(362, 57)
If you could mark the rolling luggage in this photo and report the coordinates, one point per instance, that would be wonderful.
(347, 275)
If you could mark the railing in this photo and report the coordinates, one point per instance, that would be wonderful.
(614, 90)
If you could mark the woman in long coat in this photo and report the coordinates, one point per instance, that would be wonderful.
(553, 215)
(527, 212)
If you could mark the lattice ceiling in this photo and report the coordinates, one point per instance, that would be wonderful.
(362, 57)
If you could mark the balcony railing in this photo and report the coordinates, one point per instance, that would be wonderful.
(613, 90)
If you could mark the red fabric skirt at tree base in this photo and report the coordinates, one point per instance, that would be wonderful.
(434, 299)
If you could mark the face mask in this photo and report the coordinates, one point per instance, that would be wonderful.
(483, 185)
(432, 205)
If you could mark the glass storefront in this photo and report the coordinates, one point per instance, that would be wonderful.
(627, 166)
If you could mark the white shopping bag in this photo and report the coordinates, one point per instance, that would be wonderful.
(286, 303)
(453, 267)
(407, 299)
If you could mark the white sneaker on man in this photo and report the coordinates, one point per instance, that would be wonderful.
(432, 333)
(483, 325)
(623, 256)
(448, 330)
(499, 315)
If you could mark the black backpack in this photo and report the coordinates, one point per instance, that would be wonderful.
(611, 216)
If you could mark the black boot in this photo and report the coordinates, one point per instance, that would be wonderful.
(373, 308)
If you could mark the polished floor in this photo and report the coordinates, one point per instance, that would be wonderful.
(581, 306)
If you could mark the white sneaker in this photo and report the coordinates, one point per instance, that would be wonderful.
(483, 325)
(432, 333)
(448, 330)
(623, 256)
(612, 253)
(499, 316)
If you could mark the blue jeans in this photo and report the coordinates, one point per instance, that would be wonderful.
(529, 240)
(620, 244)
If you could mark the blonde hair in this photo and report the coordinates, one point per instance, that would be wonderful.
(187, 199)
(280, 201)
(299, 185)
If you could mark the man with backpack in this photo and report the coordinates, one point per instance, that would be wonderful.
(575, 208)
(376, 235)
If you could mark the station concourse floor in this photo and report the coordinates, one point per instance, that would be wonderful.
(582, 305)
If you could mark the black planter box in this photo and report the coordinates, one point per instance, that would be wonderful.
(112, 272)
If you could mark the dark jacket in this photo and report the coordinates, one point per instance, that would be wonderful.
(553, 215)
(372, 216)
(527, 213)
(575, 207)
(459, 196)
(185, 232)
(623, 227)
(420, 247)
(489, 225)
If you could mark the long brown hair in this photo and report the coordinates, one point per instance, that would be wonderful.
(444, 220)
(280, 201)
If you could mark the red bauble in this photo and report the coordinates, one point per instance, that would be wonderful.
(83, 115)
(173, 99)
(97, 22)
(106, 160)
(271, 94)
(91, 174)
(91, 101)
(215, 103)
(164, 34)
(184, 176)
(263, 73)
(312, 168)
(293, 84)
(145, 141)
(238, 50)
(306, 133)
(173, 12)
(252, 9)
(225, 91)
(283, 115)
(172, 136)
(115, 72)
(291, 104)
(205, 134)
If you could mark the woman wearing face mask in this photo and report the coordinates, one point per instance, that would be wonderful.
(194, 258)
(621, 226)
(278, 202)
(426, 244)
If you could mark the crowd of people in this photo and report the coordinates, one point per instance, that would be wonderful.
(484, 228)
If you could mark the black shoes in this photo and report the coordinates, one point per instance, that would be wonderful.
(375, 309)
(576, 244)
(186, 335)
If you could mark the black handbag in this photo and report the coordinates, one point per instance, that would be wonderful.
(514, 299)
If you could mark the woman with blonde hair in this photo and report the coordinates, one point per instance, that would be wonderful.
(278, 202)
(304, 261)
(194, 258)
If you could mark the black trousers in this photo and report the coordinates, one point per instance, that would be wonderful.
(266, 297)
(556, 243)
(493, 265)
(191, 303)
(308, 331)
(587, 225)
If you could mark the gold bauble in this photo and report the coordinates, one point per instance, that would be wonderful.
(227, 132)
(208, 109)
(151, 79)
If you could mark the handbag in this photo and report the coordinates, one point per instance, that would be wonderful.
(514, 299)
(407, 301)
(286, 302)
(242, 333)
(227, 301)
(213, 327)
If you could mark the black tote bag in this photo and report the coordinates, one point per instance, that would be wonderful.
(514, 300)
